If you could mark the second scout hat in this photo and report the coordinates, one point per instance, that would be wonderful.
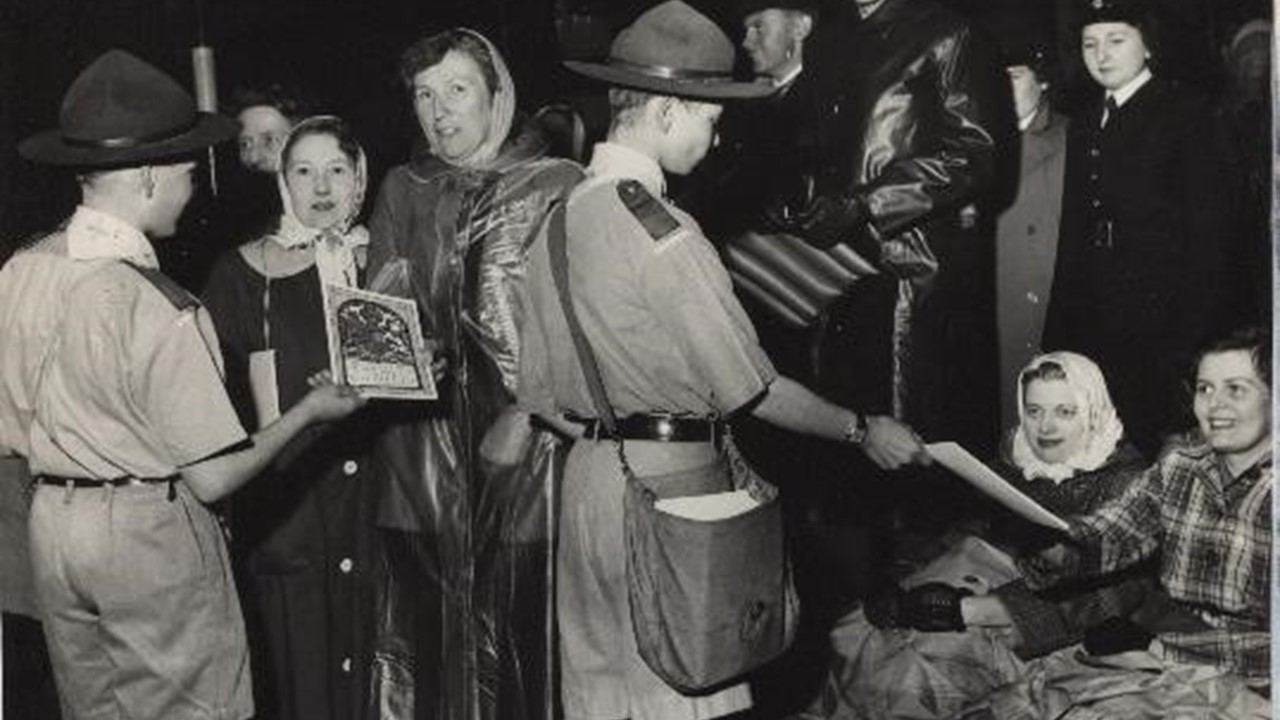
(672, 49)
(121, 111)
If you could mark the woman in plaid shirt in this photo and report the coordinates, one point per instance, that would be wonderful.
(1205, 510)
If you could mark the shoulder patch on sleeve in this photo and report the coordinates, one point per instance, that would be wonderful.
(171, 290)
(655, 218)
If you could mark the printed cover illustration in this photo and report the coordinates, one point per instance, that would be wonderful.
(376, 344)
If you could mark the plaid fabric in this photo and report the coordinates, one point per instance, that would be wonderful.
(1055, 617)
(1047, 621)
(1213, 536)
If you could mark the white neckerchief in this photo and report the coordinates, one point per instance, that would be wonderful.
(614, 161)
(93, 234)
(1127, 90)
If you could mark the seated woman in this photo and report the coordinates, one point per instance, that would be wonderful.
(303, 536)
(1204, 510)
(949, 638)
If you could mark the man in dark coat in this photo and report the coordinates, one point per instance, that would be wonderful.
(905, 117)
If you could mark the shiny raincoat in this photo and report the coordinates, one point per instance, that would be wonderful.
(465, 622)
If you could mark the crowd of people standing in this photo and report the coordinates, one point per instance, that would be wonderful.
(219, 530)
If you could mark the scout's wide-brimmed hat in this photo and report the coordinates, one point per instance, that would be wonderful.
(122, 111)
(673, 49)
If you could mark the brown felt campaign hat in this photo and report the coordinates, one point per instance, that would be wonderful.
(121, 111)
(672, 49)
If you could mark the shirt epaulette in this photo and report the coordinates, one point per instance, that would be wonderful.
(172, 291)
(655, 218)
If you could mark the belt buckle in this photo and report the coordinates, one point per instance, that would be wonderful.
(664, 427)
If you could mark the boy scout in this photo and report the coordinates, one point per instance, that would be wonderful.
(676, 352)
(111, 388)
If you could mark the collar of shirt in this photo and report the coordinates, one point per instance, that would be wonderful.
(789, 78)
(1248, 476)
(1024, 123)
(93, 234)
(1124, 93)
(610, 161)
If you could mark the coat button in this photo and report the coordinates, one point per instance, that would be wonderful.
(1031, 229)
(350, 467)
(346, 565)
(1094, 152)
(346, 665)
(1033, 298)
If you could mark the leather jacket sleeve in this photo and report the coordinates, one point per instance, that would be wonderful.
(918, 165)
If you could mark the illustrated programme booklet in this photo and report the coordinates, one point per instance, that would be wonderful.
(376, 344)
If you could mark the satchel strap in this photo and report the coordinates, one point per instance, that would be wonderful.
(557, 246)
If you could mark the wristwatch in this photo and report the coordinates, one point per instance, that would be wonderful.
(856, 431)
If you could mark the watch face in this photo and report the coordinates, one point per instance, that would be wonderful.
(856, 431)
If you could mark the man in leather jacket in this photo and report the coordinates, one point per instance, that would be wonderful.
(904, 121)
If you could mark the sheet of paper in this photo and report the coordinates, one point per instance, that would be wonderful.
(262, 385)
(716, 506)
(959, 461)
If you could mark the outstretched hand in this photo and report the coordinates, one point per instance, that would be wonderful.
(891, 444)
(330, 401)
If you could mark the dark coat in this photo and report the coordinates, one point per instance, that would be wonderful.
(1026, 245)
(1146, 231)
(906, 116)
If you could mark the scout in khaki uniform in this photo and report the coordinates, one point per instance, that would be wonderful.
(676, 352)
(111, 388)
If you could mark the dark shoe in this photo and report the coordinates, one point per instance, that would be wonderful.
(934, 607)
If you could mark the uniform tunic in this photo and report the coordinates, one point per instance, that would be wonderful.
(1139, 279)
(105, 376)
(669, 336)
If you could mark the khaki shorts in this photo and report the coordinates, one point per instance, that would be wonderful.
(138, 603)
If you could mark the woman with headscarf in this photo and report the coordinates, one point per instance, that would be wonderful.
(467, 479)
(303, 537)
(966, 623)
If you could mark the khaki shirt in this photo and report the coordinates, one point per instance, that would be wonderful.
(102, 375)
(667, 331)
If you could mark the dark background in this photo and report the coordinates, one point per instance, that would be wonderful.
(344, 52)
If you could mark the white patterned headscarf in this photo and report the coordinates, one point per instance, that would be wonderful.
(1103, 432)
(502, 108)
(335, 246)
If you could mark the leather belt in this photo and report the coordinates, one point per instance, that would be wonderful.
(658, 427)
(128, 480)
